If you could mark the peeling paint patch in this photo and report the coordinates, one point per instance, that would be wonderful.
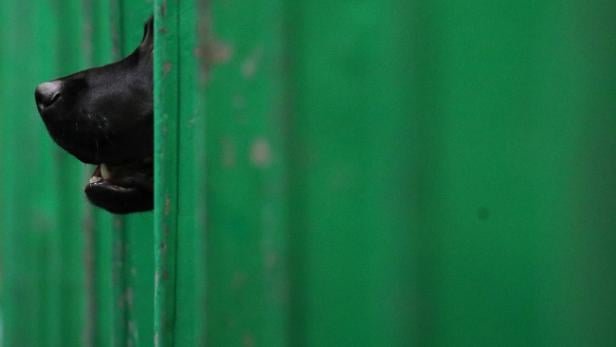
(218, 52)
(261, 153)
(167, 205)
(133, 334)
(239, 280)
(228, 152)
(251, 64)
(248, 340)
(249, 68)
(163, 8)
(214, 52)
(167, 66)
(271, 260)
(130, 299)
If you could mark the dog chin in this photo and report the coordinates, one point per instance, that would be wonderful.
(119, 200)
(120, 190)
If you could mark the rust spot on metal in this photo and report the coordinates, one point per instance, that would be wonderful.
(211, 49)
(238, 281)
(251, 64)
(167, 205)
(163, 8)
(248, 340)
(133, 333)
(129, 297)
(165, 275)
(163, 30)
(219, 52)
(167, 66)
(228, 152)
(271, 260)
(261, 153)
(249, 68)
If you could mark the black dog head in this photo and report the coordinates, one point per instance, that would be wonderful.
(104, 116)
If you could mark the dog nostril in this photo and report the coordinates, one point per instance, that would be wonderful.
(47, 93)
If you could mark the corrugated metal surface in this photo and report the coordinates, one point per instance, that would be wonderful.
(70, 275)
(352, 173)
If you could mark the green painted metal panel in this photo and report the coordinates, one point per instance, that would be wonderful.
(179, 174)
(505, 96)
(351, 174)
(354, 173)
(136, 230)
(74, 275)
(42, 243)
(166, 117)
(247, 114)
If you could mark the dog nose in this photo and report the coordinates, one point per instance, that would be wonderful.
(47, 93)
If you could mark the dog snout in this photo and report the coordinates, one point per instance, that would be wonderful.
(47, 93)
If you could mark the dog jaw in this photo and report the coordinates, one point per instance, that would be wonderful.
(121, 189)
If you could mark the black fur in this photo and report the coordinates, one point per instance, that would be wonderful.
(105, 116)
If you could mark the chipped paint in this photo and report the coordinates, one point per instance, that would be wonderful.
(129, 296)
(251, 64)
(248, 340)
(163, 8)
(261, 153)
(239, 280)
(249, 68)
(210, 49)
(167, 66)
(167, 205)
(228, 152)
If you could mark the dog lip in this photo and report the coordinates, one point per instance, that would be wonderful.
(120, 177)
(118, 200)
(99, 182)
(118, 193)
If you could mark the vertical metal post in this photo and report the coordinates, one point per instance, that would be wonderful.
(166, 105)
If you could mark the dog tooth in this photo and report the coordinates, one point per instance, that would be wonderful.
(95, 179)
(105, 172)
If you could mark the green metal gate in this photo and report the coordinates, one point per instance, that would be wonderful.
(328, 173)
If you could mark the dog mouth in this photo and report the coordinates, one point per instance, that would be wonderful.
(123, 188)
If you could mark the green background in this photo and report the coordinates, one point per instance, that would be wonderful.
(328, 173)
